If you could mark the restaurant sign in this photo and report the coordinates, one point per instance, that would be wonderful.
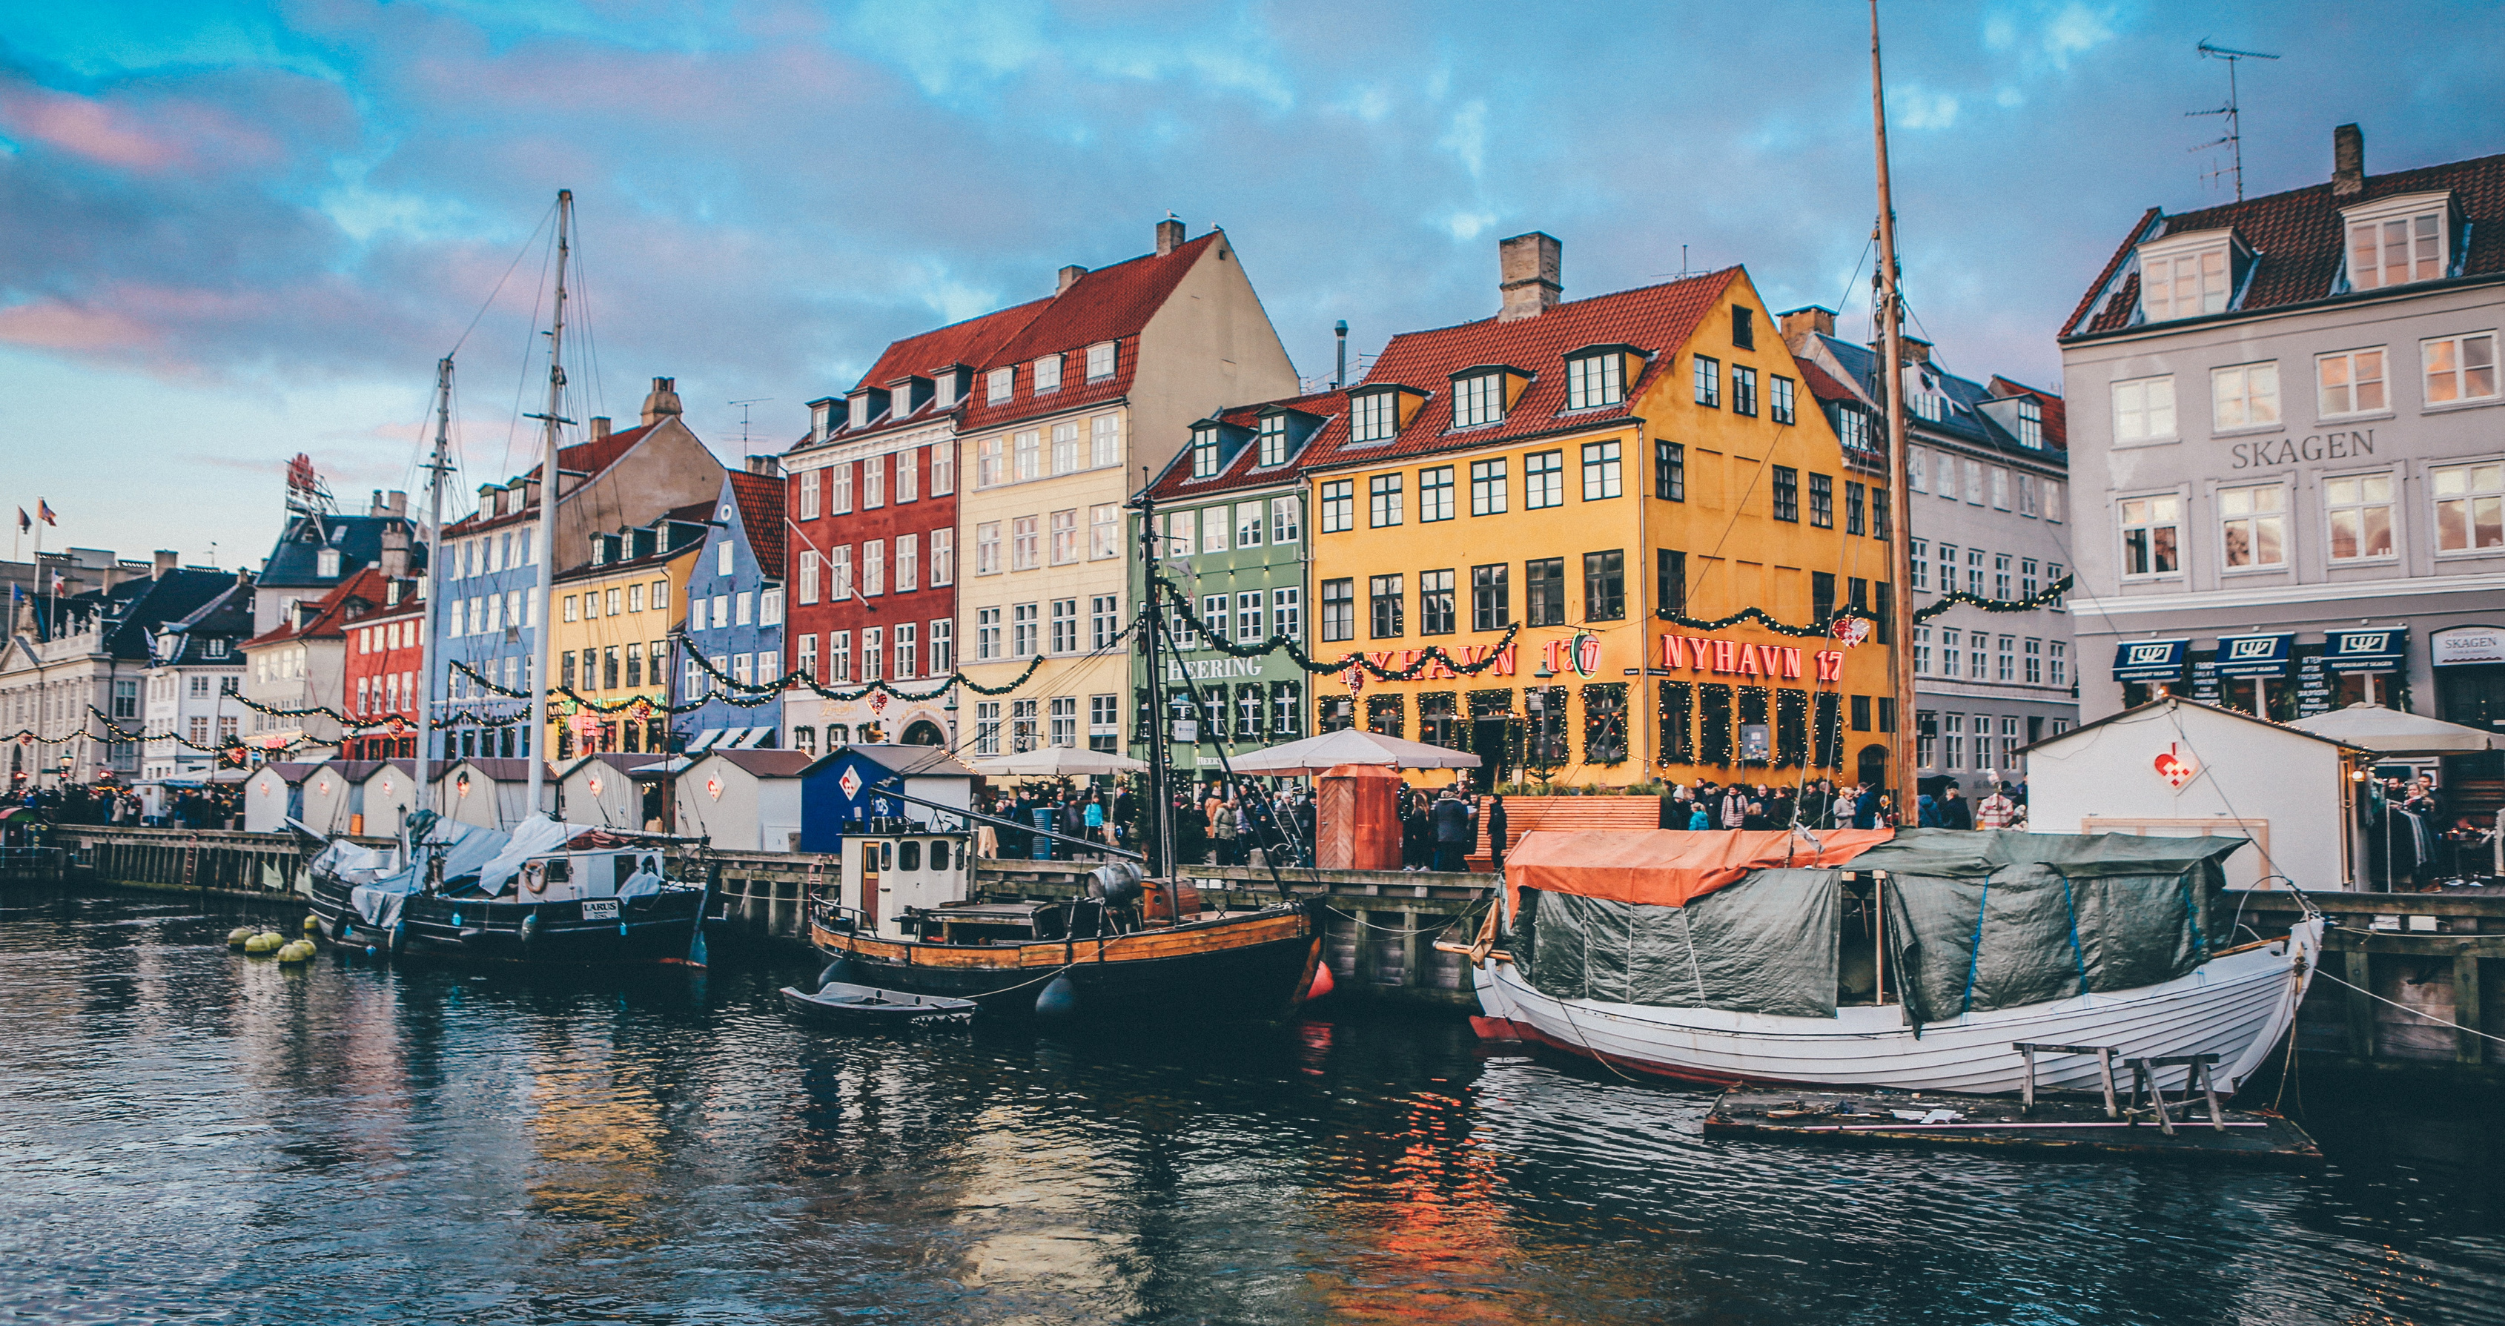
(1740, 658)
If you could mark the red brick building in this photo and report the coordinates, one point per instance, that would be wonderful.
(384, 681)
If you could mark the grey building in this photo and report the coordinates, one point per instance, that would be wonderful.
(1989, 468)
(2290, 408)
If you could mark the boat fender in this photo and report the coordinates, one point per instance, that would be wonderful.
(1322, 983)
(239, 936)
(621, 929)
(312, 924)
(535, 880)
(456, 920)
(838, 970)
(345, 929)
(1059, 1000)
(530, 929)
(265, 942)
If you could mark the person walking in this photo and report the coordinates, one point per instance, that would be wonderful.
(1451, 821)
(1955, 811)
(1496, 834)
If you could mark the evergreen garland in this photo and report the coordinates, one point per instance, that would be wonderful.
(1296, 654)
(1677, 706)
(1753, 711)
(1791, 727)
(1605, 722)
(1714, 731)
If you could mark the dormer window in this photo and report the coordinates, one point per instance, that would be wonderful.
(326, 564)
(1273, 438)
(1100, 361)
(1596, 377)
(821, 416)
(1047, 374)
(944, 389)
(1479, 398)
(860, 415)
(217, 647)
(1370, 417)
(2187, 275)
(2030, 424)
(2398, 241)
(999, 384)
(1204, 453)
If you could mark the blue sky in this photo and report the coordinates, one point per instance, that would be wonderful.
(237, 232)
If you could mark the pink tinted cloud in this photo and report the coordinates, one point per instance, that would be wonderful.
(86, 127)
(49, 324)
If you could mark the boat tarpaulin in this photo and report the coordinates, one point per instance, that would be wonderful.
(1764, 945)
(1669, 867)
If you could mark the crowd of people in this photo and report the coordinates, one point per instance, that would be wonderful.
(185, 808)
(1821, 804)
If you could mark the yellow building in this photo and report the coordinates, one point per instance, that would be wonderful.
(1612, 475)
(615, 615)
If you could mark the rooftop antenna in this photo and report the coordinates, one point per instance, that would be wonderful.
(743, 419)
(2234, 140)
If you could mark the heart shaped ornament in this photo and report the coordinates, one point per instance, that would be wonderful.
(2176, 767)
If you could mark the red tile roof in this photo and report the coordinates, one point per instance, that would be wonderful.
(1108, 304)
(1176, 483)
(589, 459)
(971, 342)
(1823, 385)
(1657, 319)
(2056, 413)
(332, 612)
(760, 499)
(2297, 238)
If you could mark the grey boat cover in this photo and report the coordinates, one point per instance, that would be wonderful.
(1975, 920)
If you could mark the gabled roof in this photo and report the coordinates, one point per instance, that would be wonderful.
(761, 763)
(351, 601)
(127, 613)
(2056, 411)
(1243, 469)
(1965, 418)
(2170, 702)
(1658, 319)
(694, 513)
(760, 500)
(590, 459)
(227, 616)
(1108, 304)
(2297, 237)
(971, 343)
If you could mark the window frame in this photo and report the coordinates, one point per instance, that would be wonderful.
(1436, 603)
(1339, 506)
(1604, 469)
(1781, 399)
(1744, 390)
(2459, 341)
(1386, 500)
(2124, 526)
(1489, 480)
(2257, 517)
(1605, 586)
(2144, 411)
(1544, 595)
(1785, 497)
(1478, 399)
(1596, 380)
(1491, 596)
(1435, 494)
(1547, 480)
(1669, 470)
(2472, 497)
(2332, 508)
(1387, 606)
(2248, 374)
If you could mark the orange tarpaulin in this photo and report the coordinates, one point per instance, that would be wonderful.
(1667, 867)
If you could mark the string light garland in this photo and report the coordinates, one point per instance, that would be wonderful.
(2052, 593)
(1427, 658)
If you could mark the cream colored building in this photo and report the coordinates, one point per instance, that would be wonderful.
(1102, 384)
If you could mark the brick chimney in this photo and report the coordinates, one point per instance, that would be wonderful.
(396, 553)
(1070, 275)
(1801, 321)
(599, 427)
(663, 400)
(1527, 268)
(1169, 237)
(164, 562)
(2348, 161)
(769, 466)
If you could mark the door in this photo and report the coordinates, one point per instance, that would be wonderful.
(2472, 695)
(869, 885)
(1873, 765)
(1491, 741)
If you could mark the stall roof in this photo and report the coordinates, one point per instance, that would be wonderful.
(2182, 703)
(906, 761)
(1669, 867)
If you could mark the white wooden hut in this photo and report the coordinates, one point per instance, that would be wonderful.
(744, 800)
(602, 789)
(273, 795)
(388, 791)
(491, 792)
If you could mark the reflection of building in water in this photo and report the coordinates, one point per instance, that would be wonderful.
(1034, 1196)
(597, 1130)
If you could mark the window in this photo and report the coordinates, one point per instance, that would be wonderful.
(1339, 609)
(908, 652)
(569, 610)
(722, 558)
(2030, 422)
(1743, 390)
(2360, 510)
(1543, 480)
(943, 557)
(809, 494)
(1026, 454)
(1371, 417)
(1855, 520)
(999, 384)
(1273, 440)
(2000, 488)
(1708, 382)
(1670, 471)
(1779, 399)
(1544, 591)
(1922, 651)
(1104, 620)
(1853, 429)
(1786, 493)
(987, 548)
(2052, 500)
(1287, 612)
(1604, 586)
(1204, 453)
(987, 634)
(1478, 399)
(1490, 605)
(770, 599)
(1974, 572)
(908, 570)
(873, 571)
(1670, 571)
(943, 468)
(1435, 494)
(1104, 722)
(1065, 626)
(1383, 504)
(1047, 374)
(1022, 630)
(2244, 396)
(2253, 522)
(1601, 477)
(2035, 661)
(1213, 530)
(2000, 575)
(1104, 530)
(2460, 368)
(839, 490)
(987, 727)
(2184, 285)
(1435, 603)
(2469, 507)
(2030, 581)
(2143, 411)
(1065, 539)
(1974, 482)
(1487, 487)
(1595, 380)
(1025, 544)
(2350, 382)
(1953, 741)
(2026, 495)
(2395, 251)
(1952, 658)
(1386, 602)
(2052, 577)
(1286, 522)
(1339, 506)
(2056, 664)
(1248, 524)
(1100, 361)
(1182, 533)
(2149, 529)
(1104, 442)
(1065, 449)
(1250, 623)
(1022, 714)
(1743, 327)
(808, 657)
(2005, 660)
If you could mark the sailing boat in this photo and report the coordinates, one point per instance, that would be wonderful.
(548, 892)
(1922, 959)
(906, 915)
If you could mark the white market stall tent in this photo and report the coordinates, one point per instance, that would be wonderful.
(743, 800)
(2179, 768)
(273, 795)
(329, 796)
(602, 789)
(389, 791)
(492, 793)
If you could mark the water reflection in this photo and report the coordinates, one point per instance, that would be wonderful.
(192, 1133)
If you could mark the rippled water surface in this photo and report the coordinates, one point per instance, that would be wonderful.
(193, 1135)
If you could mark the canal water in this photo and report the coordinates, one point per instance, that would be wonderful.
(187, 1134)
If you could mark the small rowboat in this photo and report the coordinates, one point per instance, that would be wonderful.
(868, 1008)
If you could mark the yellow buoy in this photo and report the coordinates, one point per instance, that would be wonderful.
(312, 924)
(265, 942)
(300, 951)
(235, 938)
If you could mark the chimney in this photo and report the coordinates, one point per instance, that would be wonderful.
(376, 508)
(1339, 376)
(599, 426)
(1802, 321)
(2348, 161)
(1526, 275)
(663, 401)
(768, 466)
(398, 502)
(164, 562)
(1070, 275)
(396, 553)
(1169, 235)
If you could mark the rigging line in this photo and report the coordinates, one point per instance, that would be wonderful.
(489, 302)
(530, 346)
(2323, 974)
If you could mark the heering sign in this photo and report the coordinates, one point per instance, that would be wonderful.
(2266, 656)
(1739, 658)
(2376, 649)
(2466, 644)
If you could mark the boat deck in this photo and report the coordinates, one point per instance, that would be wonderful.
(2056, 1126)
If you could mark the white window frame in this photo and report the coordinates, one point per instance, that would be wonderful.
(2456, 348)
(2124, 525)
(1373, 416)
(2480, 496)
(2244, 398)
(1045, 374)
(2361, 372)
(1104, 530)
(1595, 380)
(1104, 440)
(1102, 359)
(809, 483)
(2333, 504)
(2200, 274)
(943, 557)
(2139, 414)
(1271, 436)
(1251, 524)
(999, 385)
(2425, 221)
(1478, 400)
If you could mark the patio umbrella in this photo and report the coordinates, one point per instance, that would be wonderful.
(2391, 732)
(1056, 762)
(1315, 755)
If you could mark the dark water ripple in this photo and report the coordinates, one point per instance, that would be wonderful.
(189, 1135)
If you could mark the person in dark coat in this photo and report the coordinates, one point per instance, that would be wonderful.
(1451, 821)
(1866, 808)
(1955, 811)
(1496, 833)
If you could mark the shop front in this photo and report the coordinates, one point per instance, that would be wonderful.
(2469, 667)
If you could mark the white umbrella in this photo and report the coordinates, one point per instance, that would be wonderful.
(2391, 732)
(1314, 755)
(1056, 762)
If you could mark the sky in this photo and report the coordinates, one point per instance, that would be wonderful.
(236, 232)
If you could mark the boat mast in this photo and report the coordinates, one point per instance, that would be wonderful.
(542, 644)
(1160, 803)
(1899, 494)
(436, 469)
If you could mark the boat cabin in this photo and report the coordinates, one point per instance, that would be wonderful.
(896, 871)
(601, 872)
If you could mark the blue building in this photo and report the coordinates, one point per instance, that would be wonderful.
(852, 784)
(735, 619)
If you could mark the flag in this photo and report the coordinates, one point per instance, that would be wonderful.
(56, 582)
(43, 512)
(24, 521)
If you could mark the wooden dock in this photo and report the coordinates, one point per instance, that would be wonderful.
(2063, 1126)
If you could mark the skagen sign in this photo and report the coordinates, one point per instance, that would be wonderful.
(2267, 451)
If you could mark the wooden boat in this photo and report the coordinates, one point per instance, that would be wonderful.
(868, 1008)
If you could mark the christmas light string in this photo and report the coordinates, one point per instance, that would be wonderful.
(1431, 655)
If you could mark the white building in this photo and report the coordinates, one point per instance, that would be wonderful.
(74, 667)
(195, 671)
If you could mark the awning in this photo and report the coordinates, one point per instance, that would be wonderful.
(2371, 649)
(2151, 660)
(1667, 867)
(2267, 656)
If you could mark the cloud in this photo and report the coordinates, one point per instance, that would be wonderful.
(84, 127)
